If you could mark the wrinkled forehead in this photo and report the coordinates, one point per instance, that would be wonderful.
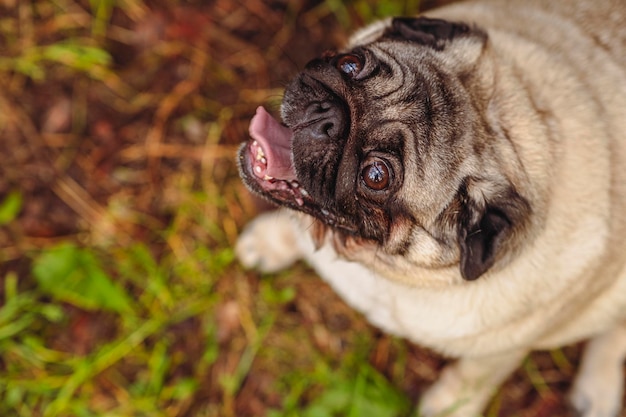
(369, 34)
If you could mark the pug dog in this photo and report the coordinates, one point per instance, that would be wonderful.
(460, 178)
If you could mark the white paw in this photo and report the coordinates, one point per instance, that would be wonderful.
(450, 397)
(596, 395)
(269, 243)
(465, 387)
(598, 388)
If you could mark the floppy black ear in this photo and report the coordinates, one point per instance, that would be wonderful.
(423, 30)
(485, 231)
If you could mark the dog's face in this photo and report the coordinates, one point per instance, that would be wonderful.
(389, 144)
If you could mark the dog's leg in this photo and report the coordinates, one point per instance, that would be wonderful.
(270, 242)
(465, 387)
(597, 391)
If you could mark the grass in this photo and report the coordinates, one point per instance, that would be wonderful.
(119, 207)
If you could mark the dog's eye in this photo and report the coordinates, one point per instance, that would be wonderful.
(376, 175)
(349, 64)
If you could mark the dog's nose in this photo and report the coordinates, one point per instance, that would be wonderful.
(324, 120)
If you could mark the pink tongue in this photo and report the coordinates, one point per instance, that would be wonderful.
(275, 141)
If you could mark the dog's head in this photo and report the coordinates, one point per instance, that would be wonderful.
(390, 145)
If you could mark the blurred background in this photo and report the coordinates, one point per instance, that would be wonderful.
(120, 204)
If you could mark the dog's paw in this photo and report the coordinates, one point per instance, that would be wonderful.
(598, 393)
(269, 243)
(451, 396)
(465, 387)
(597, 390)
(596, 398)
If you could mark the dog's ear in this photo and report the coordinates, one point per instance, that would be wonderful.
(486, 229)
(434, 33)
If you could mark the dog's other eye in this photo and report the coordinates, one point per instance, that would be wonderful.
(349, 64)
(376, 175)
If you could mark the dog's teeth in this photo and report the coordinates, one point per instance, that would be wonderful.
(295, 184)
(325, 212)
(303, 192)
(263, 160)
(299, 201)
(267, 177)
(258, 169)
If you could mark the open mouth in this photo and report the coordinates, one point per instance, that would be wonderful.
(267, 168)
(277, 187)
(267, 158)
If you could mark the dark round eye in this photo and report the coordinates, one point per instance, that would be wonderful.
(349, 64)
(376, 175)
